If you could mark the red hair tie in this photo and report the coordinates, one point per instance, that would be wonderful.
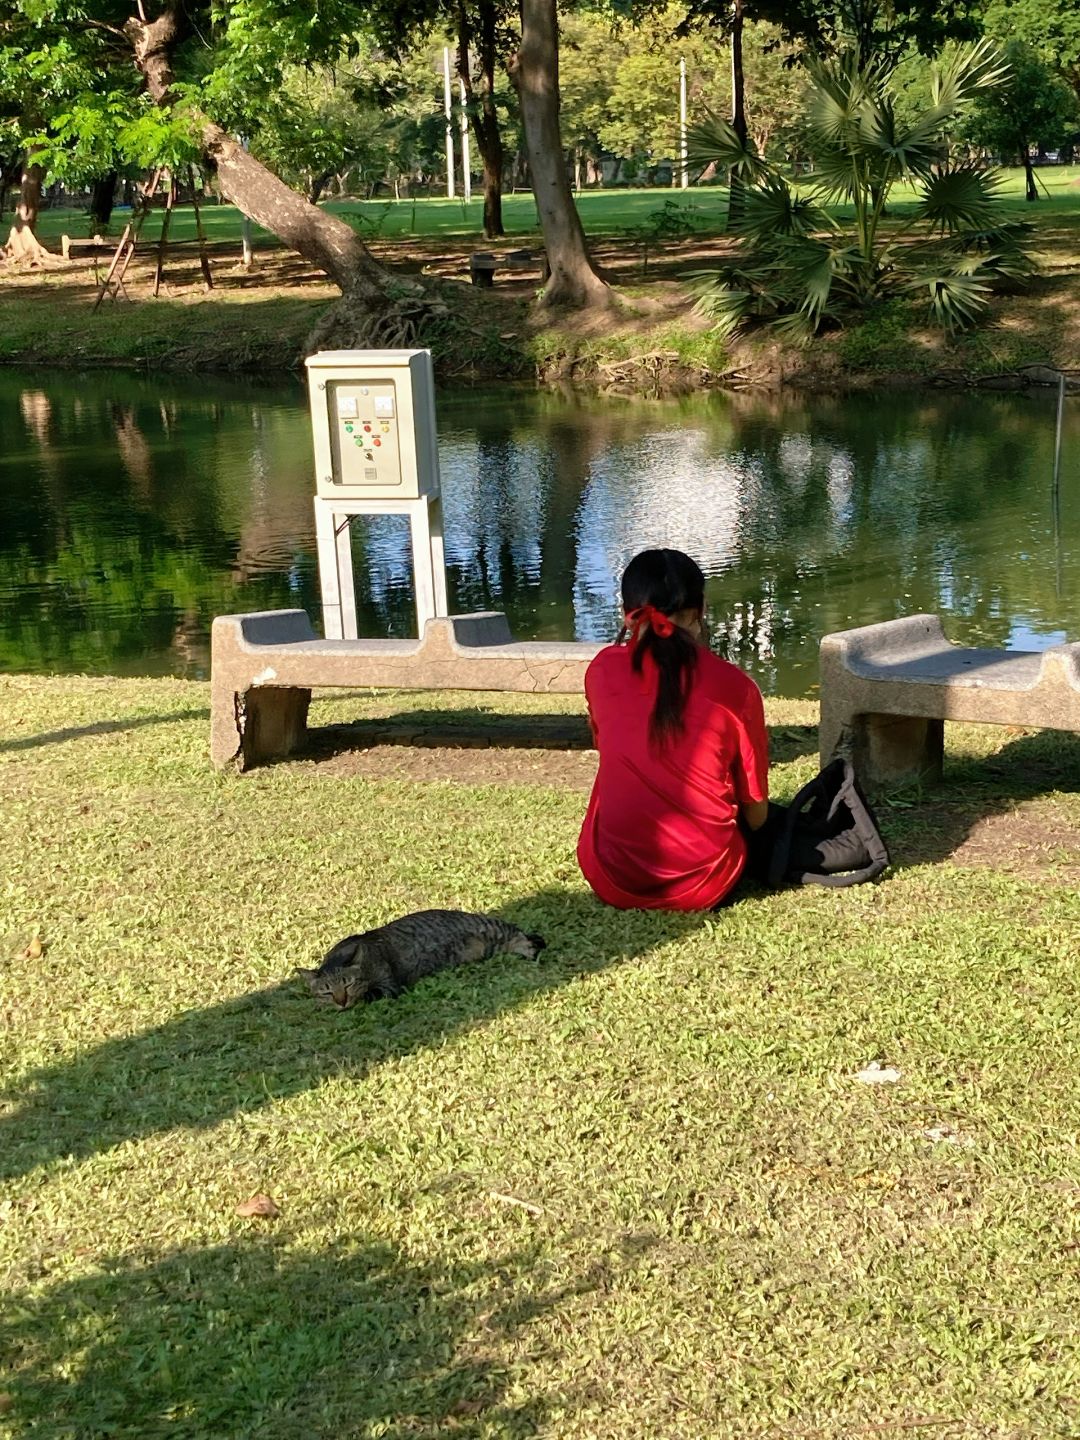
(648, 615)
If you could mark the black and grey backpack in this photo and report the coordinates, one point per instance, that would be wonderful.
(829, 835)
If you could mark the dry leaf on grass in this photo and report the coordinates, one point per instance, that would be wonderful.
(34, 950)
(504, 1199)
(468, 1407)
(7, 1400)
(260, 1205)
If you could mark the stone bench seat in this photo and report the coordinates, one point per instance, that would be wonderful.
(886, 691)
(484, 263)
(264, 666)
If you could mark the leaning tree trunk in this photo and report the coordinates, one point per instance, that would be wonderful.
(22, 243)
(319, 237)
(535, 72)
(485, 124)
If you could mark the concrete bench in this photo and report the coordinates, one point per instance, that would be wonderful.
(886, 691)
(263, 667)
(73, 247)
(484, 263)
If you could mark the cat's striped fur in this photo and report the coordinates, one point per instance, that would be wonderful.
(383, 962)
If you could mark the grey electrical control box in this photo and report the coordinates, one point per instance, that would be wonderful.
(373, 424)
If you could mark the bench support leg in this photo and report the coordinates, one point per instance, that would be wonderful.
(886, 749)
(275, 722)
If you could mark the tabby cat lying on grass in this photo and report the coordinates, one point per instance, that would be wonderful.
(382, 963)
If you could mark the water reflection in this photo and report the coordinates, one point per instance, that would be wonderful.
(132, 511)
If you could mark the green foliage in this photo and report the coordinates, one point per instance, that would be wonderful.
(619, 85)
(304, 85)
(1049, 29)
(863, 145)
(320, 123)
(1036, 105)
(828, 27)
(772, 208)
(715, 141)
(879, 339)
(674, 220)
(107, 132)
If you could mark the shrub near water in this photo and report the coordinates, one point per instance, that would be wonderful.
(633, 1190)
(800, 265)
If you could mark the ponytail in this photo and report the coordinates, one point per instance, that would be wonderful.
(656, 585)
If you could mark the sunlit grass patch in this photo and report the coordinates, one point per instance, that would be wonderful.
(723, 1232)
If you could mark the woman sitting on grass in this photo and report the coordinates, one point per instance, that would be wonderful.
(684, 762)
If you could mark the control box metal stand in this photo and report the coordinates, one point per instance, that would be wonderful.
(376, 453)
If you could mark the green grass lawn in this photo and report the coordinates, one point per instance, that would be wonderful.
(603, 212)
(261, 321)
(726, 1234)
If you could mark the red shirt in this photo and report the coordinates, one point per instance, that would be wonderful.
(661, 830)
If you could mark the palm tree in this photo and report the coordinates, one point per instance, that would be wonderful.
(798, 264)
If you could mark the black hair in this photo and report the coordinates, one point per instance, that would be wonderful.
(669, 581)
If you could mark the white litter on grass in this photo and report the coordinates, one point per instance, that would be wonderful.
(876, 1074)
(946, 1135)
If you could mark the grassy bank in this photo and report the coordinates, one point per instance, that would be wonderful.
(260, 320)
(632, 1191)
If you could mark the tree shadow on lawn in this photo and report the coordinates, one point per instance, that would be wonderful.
(204, 1066)
(927, 827)
(263, 1337)
(102, 727)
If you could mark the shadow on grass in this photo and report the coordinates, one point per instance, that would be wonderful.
(791, 742)
(259, 1337)
(101, 727)
(467, 728)
(203, 1066)
(452, 729)
(924, 828)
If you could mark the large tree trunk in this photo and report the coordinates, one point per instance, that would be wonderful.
(22, 243)
(485, 124)
(318, 185)
(1031, 190)
(535, 72)
(9, 173)
(736, 196)
(318, 236)
(102, 191)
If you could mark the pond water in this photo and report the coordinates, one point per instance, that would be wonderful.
(133, 509)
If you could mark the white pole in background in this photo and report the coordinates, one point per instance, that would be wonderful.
(466, 166)
(682, 122)
(449, 124)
